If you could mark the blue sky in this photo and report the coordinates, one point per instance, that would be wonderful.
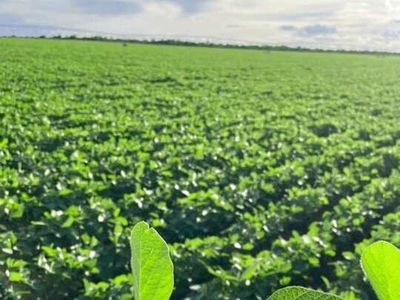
(345, 24)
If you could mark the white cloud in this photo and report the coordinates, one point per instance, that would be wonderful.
(360, 24)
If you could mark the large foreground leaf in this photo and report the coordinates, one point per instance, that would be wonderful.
(300, 293)
(151, 264)
(381, 264)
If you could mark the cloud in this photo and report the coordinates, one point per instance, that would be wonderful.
(306, 16)
(107, 7)
(311, 30)
(190, 6)
(388, 4)
(10, 25)
(391, 34)
(10, 19)
(391, 31)
(318, 30)
(289, 28)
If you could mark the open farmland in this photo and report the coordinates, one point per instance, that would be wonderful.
(260, 169)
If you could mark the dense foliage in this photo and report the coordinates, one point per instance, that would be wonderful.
(152, 270)
(261, 169)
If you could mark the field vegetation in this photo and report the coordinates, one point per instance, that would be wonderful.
(261, 169)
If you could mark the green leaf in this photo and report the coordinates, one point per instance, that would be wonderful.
(68, 223)
(300, 293)
(381, 264)
(16, 277)
(153, 275)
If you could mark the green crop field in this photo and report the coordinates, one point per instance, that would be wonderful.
(260, 169)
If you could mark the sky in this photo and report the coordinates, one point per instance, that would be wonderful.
(328, 24)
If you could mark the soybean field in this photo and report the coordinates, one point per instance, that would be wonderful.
(261, 169)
